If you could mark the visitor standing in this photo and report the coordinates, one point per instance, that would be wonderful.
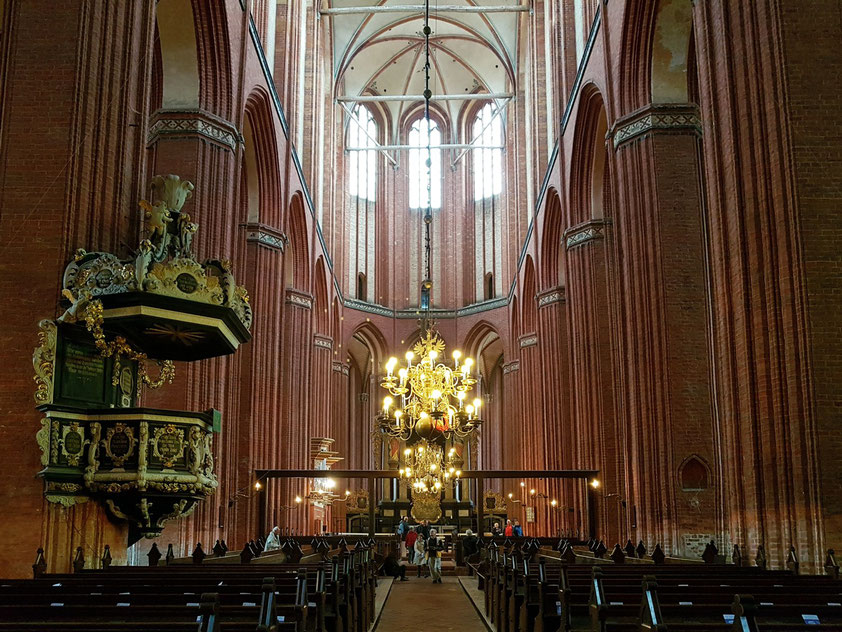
(403, 529)
(518, 530)
(470, 544)
(411, 537)
(495, 530)
(510, 530)
(273, 540)
(420, 549)
(434, 548)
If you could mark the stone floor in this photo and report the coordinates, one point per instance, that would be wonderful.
(418, 604)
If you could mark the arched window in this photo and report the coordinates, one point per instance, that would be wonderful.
(362, 287)
(418, 170)
(489, 286)
(362, 172)
(488, 163)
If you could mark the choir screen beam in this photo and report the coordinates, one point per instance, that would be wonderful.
(423, 148)
(420, 8)
(264, 476)
(383, 98)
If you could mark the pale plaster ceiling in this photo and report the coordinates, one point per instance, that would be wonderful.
(383, 54)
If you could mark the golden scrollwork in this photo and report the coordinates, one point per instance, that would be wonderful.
(124, 436)
(426, 506)
(118, 348)
(184, 278)
(168, 444)
(43, 439)
(73, 442)
(357, 502)
(43, 360)
(494, 502)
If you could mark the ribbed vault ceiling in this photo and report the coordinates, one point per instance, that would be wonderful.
(383, 54)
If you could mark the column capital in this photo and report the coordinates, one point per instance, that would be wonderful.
(299, 298)
(581, 234)
(193, 124)
(264, 235)
(669, 118)
(552, 296)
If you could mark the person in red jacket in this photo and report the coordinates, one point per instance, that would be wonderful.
(510, 531)
(410, 544)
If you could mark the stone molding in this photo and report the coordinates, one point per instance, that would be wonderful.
(325, 342)
(583, 233)
(266, 236)
(528, 340)
(670, 118)
(551, 297)
(193, 124)
(299, 299)
(341, 367)
(416, 312)
(511, 367)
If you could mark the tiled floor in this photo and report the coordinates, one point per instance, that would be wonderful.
(418, 604)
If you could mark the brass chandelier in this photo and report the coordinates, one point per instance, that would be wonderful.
(426, 469)
(429, 398)
(428, 401)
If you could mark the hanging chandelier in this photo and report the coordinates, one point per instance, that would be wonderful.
(426, 470)
(429, 399)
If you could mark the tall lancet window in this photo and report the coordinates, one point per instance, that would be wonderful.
(362, 176)
(488, 163)
(418, 170)
(362, 191)
(489, 202)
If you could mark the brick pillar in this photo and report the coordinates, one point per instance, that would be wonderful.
(73, 159)
(772, 171)
(662, 318)
(555, 397)
(295, 407)
(600, 438)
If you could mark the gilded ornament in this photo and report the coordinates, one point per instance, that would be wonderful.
(119, 443)
(73, 442)
(168, 444)
(43, 439)
(426, 506)
(43, 360)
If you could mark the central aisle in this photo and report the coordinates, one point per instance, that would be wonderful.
(420, 604)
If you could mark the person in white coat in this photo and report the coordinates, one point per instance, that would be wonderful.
(273, 540)
(420, 558)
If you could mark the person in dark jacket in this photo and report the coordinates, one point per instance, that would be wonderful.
(470, 544)
(434, 549)
(393, 569)
(495, 530)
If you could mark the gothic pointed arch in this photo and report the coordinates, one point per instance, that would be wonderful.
(321, 304)
(529, 318)
(551, 261)
(261, 160)
(297, 274)
(588, 170)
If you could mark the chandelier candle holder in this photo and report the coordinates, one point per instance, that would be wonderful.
(428, 398)
(426, 470)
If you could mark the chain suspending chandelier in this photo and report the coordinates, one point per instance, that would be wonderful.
(428, 401)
